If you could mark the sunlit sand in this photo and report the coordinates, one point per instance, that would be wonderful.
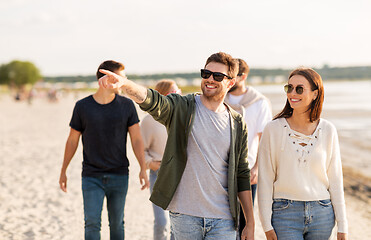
(32, 139)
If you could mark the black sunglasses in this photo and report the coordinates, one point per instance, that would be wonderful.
(289, 88)
(218, 76)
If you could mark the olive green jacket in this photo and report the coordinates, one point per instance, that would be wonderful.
(177, 112)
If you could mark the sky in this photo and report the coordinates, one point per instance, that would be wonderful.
(72, 37)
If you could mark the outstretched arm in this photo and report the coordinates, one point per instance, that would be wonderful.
(71, 146)
(135, 91)
(138, 148)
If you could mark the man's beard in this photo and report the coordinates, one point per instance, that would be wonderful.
(217, 96)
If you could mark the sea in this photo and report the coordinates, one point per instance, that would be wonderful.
(347, 104)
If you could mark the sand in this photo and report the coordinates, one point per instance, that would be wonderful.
(32, 139)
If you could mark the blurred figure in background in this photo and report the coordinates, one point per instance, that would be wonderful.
(154, 137)
(256, 111)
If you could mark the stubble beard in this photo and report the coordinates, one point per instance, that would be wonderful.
(215, 97)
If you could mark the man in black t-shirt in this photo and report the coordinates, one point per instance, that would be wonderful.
(104, 119)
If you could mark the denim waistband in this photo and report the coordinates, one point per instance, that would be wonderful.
(298, 201)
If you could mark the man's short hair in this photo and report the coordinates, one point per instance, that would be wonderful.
(243, 68)
(110, 65)
(226, 59)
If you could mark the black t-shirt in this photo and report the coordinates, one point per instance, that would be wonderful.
(104, 130)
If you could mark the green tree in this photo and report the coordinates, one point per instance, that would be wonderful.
(19, 73)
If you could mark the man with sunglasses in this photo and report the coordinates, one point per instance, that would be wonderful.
(256, 111)
(204, 169)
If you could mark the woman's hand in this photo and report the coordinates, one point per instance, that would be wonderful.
(254, 175)
(342, 236)
(271, 235)
(154, 165)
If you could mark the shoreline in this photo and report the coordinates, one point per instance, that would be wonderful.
(357, 185)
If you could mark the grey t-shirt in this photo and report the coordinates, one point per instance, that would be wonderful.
(203, 189)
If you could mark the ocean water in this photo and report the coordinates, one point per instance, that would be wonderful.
(347, 103)
(349, 95)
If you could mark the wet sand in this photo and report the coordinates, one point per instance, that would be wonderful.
(32, 139)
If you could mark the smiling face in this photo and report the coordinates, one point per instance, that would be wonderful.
(301, 102)
(213, 90)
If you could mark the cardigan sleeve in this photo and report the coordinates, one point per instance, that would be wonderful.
(336, 188)
(161, 107)
(266, 177)
(243, 174)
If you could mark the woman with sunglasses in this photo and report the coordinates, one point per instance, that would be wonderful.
(300, 192)
(154, 137)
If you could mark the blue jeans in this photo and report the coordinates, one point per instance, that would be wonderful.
(94, 189)
(160, 231)
(296, 220)
(198, 228)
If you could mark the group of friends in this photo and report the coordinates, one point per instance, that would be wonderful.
(209, 153)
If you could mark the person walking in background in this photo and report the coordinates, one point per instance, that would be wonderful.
(256, 111)
(204, 168)
(300, 192)
(104, 119)
(154, 137)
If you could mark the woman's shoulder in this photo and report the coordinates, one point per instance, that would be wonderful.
(148, 120)
(275, 127)
(326, 125)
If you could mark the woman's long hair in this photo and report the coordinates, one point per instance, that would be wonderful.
(164, 86)
(316, 83)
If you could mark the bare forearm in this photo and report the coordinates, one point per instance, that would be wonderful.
(138, 149)
(135, 91)
(246, 204)
(69, 152)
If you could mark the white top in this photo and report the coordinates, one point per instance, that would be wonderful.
(299, 167)
(154, 138)
(256, 116)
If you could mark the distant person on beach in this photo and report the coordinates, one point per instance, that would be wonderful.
(300, 191)
(256, 111)
(204, 168)
(31, 95)
(104, 119)
(154, 138)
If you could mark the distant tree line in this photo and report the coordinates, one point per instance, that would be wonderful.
(18, 73)
(327, 73)
(350, 73)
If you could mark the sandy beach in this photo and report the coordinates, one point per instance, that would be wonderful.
(32, 139)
